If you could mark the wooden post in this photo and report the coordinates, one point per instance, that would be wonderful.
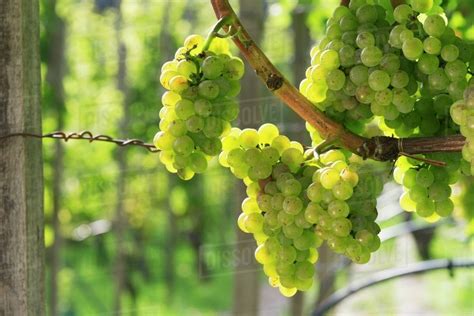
(21, 176)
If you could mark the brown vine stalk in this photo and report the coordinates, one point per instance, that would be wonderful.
(378, 148)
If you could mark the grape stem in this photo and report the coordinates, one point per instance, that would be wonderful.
(225, 20)
(379, 148)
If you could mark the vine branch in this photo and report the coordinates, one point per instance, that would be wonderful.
(281, 87)
(86, 135)
(378, 148)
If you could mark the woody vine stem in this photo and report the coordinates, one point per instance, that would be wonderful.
(378, 148)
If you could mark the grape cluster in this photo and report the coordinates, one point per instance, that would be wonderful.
(408, 78)
(366, 67)
(462, 113)
(343, 205)
(276, 178)
(198, 105)
(427, 188)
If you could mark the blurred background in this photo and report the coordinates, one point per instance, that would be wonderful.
(125, 237)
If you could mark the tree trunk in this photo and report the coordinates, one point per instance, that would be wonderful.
(120, 222)
(326, 273)
(21, 174)
(247, 271)
(296, 128)
(54, 77)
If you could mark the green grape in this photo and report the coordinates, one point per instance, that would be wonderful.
(330, 59)
(347, 56)
(234, 69)
(177, 128)
(371, 56)
(163, 140)
(439, 191)
(329, 178)
(449, 53)
(434, 25)
(359, 75)
(338, 208)
(335, 79)
(438, 80)
(425, 208)
(400, 79)
(253, 222)
(341, 227)
(186, 68)
(292, 205)
(365, 94)
(366, 14)
(365, 39)
(390, 63)
(332, 156)
(428, 64)
(194, 124)
(424, 178)
(249, 138)
(444, 208)
(402, 100)
(402, 13)
(292, 157)
(267, 133)
(421, 6)
(305, 241)
(394, 37)
(333, 31)
(208, 89)
(178, 84)
(432, 45)
(418, 193)
(383, 97)
(412, 48)
(379, 80)
(235, 157)
(406, 35)
(170, 98)
(348, 23)
(183, 145)
(455, 70)
(184, 109)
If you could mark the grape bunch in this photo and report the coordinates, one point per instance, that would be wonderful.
(462, 113)
(198, 106)
(366, 67)
(343, 205)
(276, 178)
(427, 188)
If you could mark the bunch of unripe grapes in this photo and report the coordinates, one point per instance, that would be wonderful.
(427, 188)
(366, 67)
(272, 168)
(343, 205)
(296, 201)
(462, 113)
(198, 106)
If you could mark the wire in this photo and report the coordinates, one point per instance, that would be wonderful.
(416, 268)
(85, 135)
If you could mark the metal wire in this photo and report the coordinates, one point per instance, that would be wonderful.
(86, 135)
(382, 276)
